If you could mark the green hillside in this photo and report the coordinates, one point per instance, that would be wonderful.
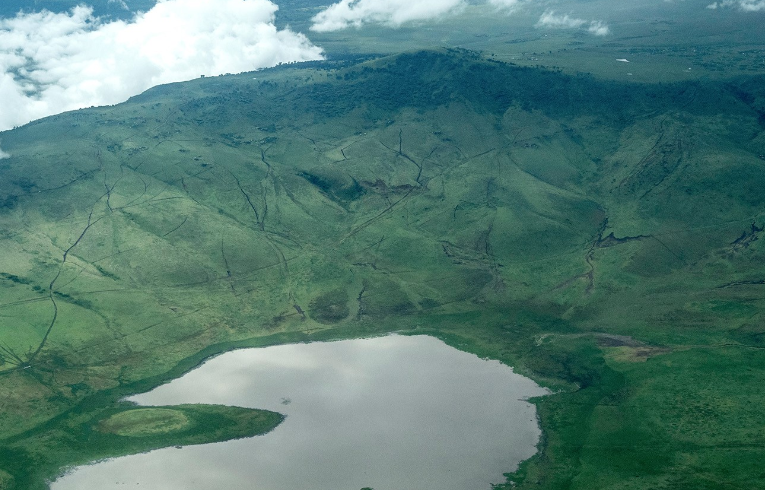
(601, 237)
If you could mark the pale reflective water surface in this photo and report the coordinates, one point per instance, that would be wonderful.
(391, 413)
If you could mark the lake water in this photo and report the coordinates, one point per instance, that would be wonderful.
(391, 413)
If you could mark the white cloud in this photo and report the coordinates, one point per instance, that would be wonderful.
(4, 155)
(506, 4)
(751, 6)
(355, 13)
(121, 3)
(745, 5)
(51, 63)
(551, 20)
(598, 28)
(394, 13)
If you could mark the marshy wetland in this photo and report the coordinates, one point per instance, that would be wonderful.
(593, 223)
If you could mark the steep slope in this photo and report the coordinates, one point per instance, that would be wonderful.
(603, 237)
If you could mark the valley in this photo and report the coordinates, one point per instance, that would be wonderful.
(601, 236)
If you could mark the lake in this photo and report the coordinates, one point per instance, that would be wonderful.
(390, 413)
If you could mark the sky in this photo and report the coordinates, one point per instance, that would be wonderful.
(55, 62)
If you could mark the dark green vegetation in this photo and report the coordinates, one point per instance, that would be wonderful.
(79, 437)
(603, 237)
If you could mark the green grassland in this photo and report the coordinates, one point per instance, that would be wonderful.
(80, 437)
(601, 236)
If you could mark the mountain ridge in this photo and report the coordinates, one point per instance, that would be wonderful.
(522, 214)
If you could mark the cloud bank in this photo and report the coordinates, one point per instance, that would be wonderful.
(50, 63)
(355, 13)
(551, 20)
(745, 5)
(506, 4)
(394, 13)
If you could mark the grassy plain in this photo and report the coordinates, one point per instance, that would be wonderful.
(601, 236)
